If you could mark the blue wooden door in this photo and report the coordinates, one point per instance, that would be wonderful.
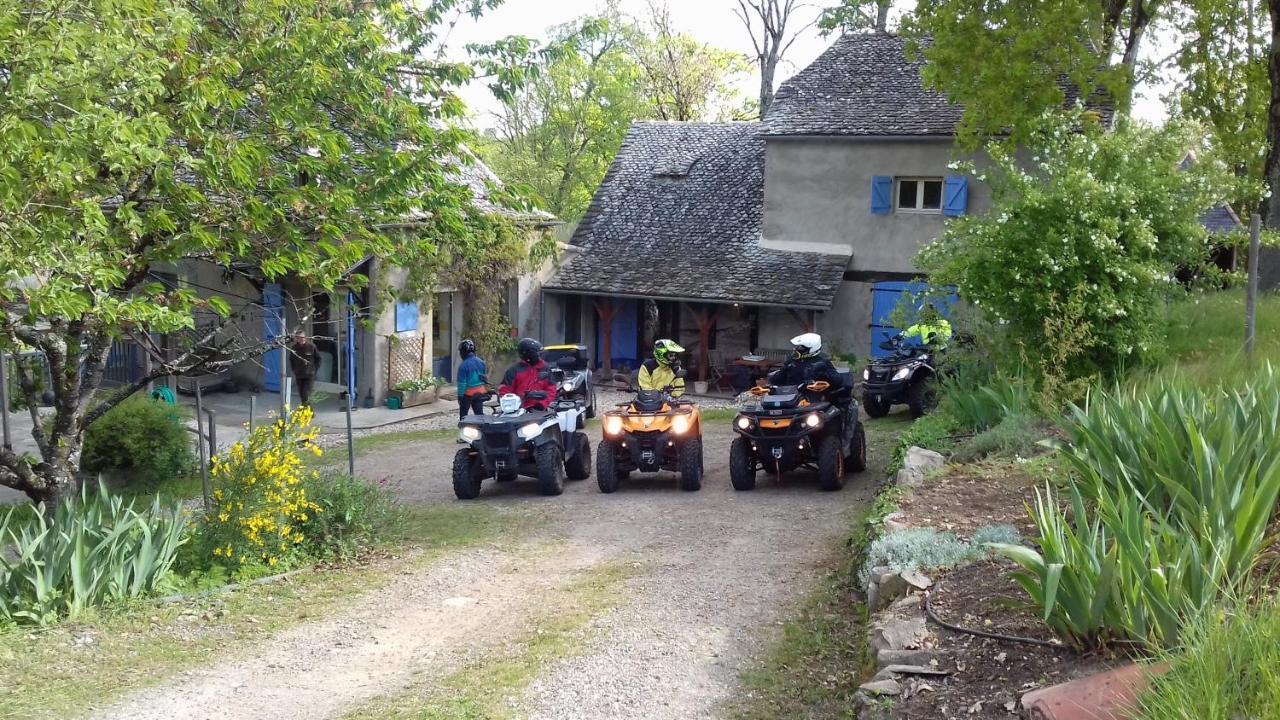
(273, 329)
(623, 337)
(885, 297)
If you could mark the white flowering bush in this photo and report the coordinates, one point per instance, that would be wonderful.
(1086, 231)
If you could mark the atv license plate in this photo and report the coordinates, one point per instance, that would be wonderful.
(777, 453)
(500, 464)
(647, 456)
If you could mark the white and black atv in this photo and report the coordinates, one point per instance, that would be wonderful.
(544, 444)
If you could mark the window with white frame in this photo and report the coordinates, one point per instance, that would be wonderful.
(922, 195)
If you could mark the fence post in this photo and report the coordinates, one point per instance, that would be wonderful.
(212, 417)
(1251, 295)
(204, 464)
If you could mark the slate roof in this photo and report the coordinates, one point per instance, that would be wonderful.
(1221, 220)
(679, 217)
(864, 85)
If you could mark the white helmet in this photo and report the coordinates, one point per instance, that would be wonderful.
(807, 345)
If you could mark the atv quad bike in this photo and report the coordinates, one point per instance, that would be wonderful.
(544, 444)
(815, 426)
(906, 377)
(653, 432)
(576, 367)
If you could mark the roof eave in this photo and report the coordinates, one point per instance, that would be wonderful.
(676, 298)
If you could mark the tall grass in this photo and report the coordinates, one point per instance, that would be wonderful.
(1204, 337)
(1175, 488)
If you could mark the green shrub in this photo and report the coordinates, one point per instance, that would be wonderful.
(978, 406)
(932, 432)
(354, 515)
(141, 441)
(1225, 669)
(95, 550)
(1016, 434)
(1174, 489)
(918, 549)
(1004, 534)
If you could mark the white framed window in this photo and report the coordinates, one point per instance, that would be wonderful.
(919, 195)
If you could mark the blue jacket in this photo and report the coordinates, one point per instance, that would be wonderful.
(471, 373)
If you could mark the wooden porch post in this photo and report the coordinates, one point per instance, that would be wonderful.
(706, 319)
(806, 322)
(606, 311)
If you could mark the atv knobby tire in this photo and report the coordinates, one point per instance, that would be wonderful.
(691, 466)
(466, 479)
(875, 408)
(578, 467)
(830, 464)
(922, 397)
(857, 460)
(742, 470)
(550, 461)
(607, 475)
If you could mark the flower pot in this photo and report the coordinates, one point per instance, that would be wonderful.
(407, 399)
(700, 387)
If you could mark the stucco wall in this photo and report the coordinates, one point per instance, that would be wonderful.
(818, 193)
(846, 328)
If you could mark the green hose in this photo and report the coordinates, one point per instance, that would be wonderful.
(164, 394)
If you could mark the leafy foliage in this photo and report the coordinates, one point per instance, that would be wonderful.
(90, 552)
(352, 516)
(934, 431)
(918, 549)
(266, 137)
(141, 441)
(1175, 489)
(1077, 254)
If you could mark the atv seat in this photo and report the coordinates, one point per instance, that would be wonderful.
(649, 401)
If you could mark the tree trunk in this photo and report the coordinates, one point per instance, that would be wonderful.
(882, 16)
(768, 67)
(1270, 207)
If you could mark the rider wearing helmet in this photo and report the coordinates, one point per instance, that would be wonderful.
(473, 385)
(529, 375)
(931, 330)
(807, 364)
(662, 370)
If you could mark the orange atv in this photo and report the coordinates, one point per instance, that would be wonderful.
(651, 433)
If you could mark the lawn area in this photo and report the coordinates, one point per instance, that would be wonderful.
(62, 670)
(1205, 336)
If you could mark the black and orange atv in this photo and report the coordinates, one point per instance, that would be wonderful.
(652, 432)
(815, 426)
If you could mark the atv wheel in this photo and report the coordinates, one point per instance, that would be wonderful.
(691, 466)
(550, 461)
(857, 459)
(607, 475)
(922, 397)
(466, 478)
(830, 464)
(578, 467)
(591, 404)
(875, 408)
(742, 470)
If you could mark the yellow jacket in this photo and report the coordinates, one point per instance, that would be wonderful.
(655, 376)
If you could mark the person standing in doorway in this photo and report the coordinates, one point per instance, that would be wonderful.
(304, 358)
(473, 385)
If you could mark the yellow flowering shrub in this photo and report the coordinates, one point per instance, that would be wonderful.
(260, 502)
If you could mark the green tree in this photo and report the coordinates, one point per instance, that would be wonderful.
(1080, 246)
(852, 16)
(277, 137)
(685, 79)
(1005, 62)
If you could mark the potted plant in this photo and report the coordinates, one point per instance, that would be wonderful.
(418, 391)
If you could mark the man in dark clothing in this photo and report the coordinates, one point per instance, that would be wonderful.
(304, 358)
(529, 375)
(807, 365)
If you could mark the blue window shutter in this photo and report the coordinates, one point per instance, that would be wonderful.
(406, 316)
(955, 195)
(881, 195)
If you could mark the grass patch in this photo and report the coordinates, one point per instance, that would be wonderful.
(486, 687)
(1205, 336)
(56, 673)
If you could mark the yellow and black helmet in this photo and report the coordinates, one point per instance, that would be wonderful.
(664, 351)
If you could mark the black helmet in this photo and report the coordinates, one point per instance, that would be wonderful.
(528, 350)
(466, 347)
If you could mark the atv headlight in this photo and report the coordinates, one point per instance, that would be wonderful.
(469, 434)
(612, 425)
(812, 420)
(743, 422)
(567, 386)
(680, 424)
(866, 373)
(902, 374)
(530, 431)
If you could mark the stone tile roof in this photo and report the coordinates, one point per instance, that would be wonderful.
(678, 216)
(1221, 219)
(865, 85)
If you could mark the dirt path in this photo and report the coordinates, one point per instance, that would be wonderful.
(721, 571)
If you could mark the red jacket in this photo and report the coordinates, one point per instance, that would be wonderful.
(523, 378)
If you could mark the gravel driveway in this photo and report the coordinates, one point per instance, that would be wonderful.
(721, 571)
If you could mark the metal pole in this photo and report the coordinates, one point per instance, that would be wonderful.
(284, 382)
(4, 399)
(204, 463)
(1251, 296)
(351, 445)
(253, 409)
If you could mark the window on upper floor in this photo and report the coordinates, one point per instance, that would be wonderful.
(919, 195)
